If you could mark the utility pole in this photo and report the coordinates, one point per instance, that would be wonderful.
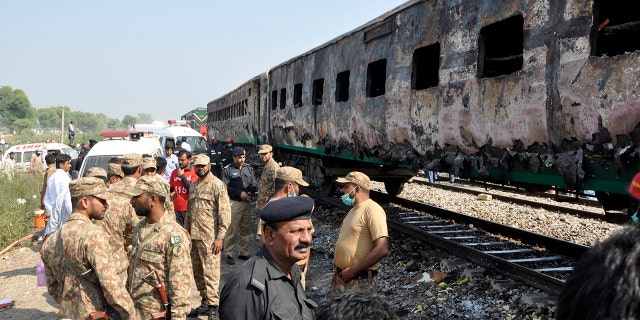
(62, 127)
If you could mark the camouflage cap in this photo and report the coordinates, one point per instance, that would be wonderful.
(114, 169)
(291, 174)
(96, 172)
(153, 184)
(132, 160)
(201, 160)
(265, 148)
(148, 163)
(89, 186)
(358, 178)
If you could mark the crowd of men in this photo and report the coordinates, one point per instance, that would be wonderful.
(126, 241)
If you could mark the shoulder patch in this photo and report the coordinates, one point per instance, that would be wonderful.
(175, 239)
(220, 187)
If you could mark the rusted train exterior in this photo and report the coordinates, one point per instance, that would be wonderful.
(536, 92)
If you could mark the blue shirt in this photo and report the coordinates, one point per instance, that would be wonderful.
(172, 164)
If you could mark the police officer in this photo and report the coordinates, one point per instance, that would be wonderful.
(267, 180)
(241, 184)
(207, 220)
(160, 251)
(85, 272)
(269, 283)
(216, 154)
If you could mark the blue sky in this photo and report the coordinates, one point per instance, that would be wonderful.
(159, 57)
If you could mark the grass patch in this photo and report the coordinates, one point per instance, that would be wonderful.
(18, 199)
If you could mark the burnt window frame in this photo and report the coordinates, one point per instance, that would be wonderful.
(342, 86)
(376, 78)
(425, 72)
(495, 57)
(283, 98)
(614, 32)
(297, 95)
(274, 99)
(317, 92)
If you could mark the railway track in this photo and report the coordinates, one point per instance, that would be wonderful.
(540, 261)
(526, 202)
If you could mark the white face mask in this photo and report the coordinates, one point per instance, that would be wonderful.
(294, 192)
(348, 200)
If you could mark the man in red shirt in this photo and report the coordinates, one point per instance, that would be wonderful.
(180, 181)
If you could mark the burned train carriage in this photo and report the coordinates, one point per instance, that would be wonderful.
(531, 92)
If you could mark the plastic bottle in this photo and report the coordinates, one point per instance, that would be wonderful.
(42, 277)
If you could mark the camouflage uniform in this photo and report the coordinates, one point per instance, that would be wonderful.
(207, 219)
(266, 187)
(165, 250)
(120, 219)
(85, 273)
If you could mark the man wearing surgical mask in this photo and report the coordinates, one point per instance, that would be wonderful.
(363, 240)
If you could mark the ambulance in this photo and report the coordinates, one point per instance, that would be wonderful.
(23, 152)
(174, 131)
(117, 144)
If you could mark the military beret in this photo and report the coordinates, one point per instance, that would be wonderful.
(287, 209)
(131, 160)
(358, 178)
(265, 148)
(201, 159)
(89, 186)
(153, 184)
(237, 151)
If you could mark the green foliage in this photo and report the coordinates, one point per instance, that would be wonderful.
(18, 199)
(144, 118)
(129, 121)
(14, 106)
(113, 124)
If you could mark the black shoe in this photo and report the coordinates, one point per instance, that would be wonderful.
(211, 315)
(243, 257)
(230, 260)
(203, 309)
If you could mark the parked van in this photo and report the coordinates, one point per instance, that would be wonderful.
(23, 152)
(176, 130)
(117, 144)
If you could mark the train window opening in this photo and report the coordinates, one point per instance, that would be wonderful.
(283, 98)
(500, 47)
(274, 99)
(376, 77)
(245, 106)
(342, 86)
(297, 95)
(318, 91)
(616, 28)
(426, 65)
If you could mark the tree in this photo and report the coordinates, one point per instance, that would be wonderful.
(129, 121)
(15, 105)
(145, 118)
(113, 124)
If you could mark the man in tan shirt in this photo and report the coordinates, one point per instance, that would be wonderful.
(363, 240)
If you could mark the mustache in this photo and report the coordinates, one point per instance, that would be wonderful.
(302, 245)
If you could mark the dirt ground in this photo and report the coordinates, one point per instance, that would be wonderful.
(18, 281)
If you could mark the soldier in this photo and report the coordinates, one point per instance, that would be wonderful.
(160, 253)
(216, 150)
(266, 187)
(207, 220)
(148, 166)
(121, 218)
(114, 171)
(84, 272)
(241, 184)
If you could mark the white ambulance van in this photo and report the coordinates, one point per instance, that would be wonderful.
(117, 144)
(176, 130)
(22, 153)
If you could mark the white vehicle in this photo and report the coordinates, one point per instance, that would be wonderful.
(175, 131)
(23, 152)
(117, 144)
